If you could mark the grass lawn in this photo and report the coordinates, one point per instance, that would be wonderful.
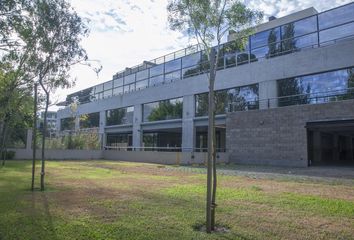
(119, 200)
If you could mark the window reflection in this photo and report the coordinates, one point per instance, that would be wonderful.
(90, 120)
(331, 34)
(163, 110)
(315, 88)
(118, 82)
(265, 37)
(142, 75)
(67, 123)
(142, 84)
(336, 16)
(191, 60)
(119, 116)
(117, 91)
(170, 77)
(157, 70)
(108, 85)
(240, 98)
(154, 81)
(172, 65)
(334, 24)
(299, 28)
(129, 79)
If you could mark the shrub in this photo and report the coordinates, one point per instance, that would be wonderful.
(8, 155)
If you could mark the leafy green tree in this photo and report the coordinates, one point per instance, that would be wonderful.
(58, 31)
(208, 21)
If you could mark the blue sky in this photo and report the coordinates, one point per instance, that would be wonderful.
(124, 33)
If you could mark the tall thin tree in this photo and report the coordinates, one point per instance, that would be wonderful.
(208, 21)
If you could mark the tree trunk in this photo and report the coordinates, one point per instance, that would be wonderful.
(43, 137)
(34, 136)
(211, 150)
(3, 143)
(213, 197)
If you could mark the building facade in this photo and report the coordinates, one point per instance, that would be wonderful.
(304, 59)
(51, 122)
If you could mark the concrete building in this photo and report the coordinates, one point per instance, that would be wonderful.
(51, 122)
(283, 99)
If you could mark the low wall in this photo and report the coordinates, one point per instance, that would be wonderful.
(278, 136)
(129, 156)
(162, 157)
(52, 154)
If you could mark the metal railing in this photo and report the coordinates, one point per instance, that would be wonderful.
(227, 60)
(160, 149)
(299, 99)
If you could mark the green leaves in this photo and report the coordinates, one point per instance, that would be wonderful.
(210, 20)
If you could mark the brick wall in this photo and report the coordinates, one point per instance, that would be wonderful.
(278, 136)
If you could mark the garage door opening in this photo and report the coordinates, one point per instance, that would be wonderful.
(331, 142)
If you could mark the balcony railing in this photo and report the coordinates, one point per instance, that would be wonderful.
(142, 76)
(299, 99)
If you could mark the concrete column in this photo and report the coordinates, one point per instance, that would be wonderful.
(335, 148)
(101, 131)
(58, 126)
(349, 148)
(188, 133)
(29, 139)
(137, 120)
(77, 123)
(268, 92)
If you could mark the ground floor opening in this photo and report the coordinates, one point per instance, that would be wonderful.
(163, 140)
(120, 141)
(201, 138)
(331, 142)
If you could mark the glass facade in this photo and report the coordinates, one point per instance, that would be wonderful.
(163, 140)
(91, 120)
(201, 141)
(321, 29)
(163, 110)
(67, 124)
(316, 88)
(241, 99)
(119, 116)
(119, 140)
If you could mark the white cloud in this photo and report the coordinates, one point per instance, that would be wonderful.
(125, 33)
(280, 8)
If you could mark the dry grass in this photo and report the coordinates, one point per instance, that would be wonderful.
(118, 200)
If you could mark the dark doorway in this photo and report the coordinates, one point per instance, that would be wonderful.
(166, 140)
(331, 142)
(201, 141)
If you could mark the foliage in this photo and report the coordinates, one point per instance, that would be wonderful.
(208, 22)
(78, 141)
(9, 155)
(166, 110)
(90, 120)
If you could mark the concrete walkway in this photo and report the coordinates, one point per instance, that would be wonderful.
(318, 174)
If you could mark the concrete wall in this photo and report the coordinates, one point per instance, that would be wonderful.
(162, 157)
(130, 156)
(308, 61)
(52, 154)
(278, 136)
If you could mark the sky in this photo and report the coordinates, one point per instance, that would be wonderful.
(124, 33)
